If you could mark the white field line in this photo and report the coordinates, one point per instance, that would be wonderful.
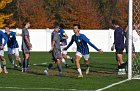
(57, 89)
(111, 85)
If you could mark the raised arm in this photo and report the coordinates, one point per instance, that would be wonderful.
(87, 40)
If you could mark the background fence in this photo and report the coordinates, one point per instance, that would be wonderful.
(41, 39)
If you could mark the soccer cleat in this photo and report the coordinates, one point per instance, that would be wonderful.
(60, 74)
(87, 71)
(80, 76)
(72, 60)
(46, 72)
(0, 70)
(121, 72)
(5, 71)
(23, 69)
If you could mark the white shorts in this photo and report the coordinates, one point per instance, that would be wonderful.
(63, 51)
(86, 57)
(1, 52)
(14, 51)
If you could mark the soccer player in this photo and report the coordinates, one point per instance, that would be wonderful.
(119, 46)
(2, 36)
(63, 43)
(55, 50)
(26, 46)
(13, 47)
(82, 48)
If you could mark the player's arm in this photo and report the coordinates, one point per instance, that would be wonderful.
(5, 40)
(15, 34)
(28, 42)
(65, 36)
(70, 43)
(27, 39)
(92, 45)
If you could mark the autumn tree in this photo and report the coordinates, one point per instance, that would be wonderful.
(4, 17)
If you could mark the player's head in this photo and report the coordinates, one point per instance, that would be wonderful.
(56, 28)
(26, 24)
(7, 28)
(62, 26)
(115, 23)
(76, 28)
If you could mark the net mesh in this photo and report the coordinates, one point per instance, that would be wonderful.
(136, 20)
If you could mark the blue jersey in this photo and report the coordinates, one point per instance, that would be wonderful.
(119, 38)
(12, 42)
(2, 35)
(62, 34)
(81, 41)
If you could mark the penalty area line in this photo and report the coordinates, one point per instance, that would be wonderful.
(112, 85)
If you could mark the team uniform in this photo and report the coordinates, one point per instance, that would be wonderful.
(25, 46)
(82, 48)
(119, 40)
(12, 44)
(2, 35)
(25, 49)
(56, 52)
(63, 41)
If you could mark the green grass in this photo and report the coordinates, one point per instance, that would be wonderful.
(103, 72)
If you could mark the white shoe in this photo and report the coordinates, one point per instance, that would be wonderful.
(87, 71)
(80, 76)
(121, 72)
(46, 72)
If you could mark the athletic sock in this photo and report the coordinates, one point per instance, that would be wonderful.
(63, 61)
(49, 66)
(4, 64)
(0, 65)
(79, 70)
(26, 63)
(59, 67)
(23, 63)
(68, 57)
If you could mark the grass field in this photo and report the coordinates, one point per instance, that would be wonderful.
(103, 72)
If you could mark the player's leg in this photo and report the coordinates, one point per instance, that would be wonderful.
(3, 61)
(59, 67)
(10, 53)
(77, 59)
(16, 52)
(63, 58)
(26, 55)
(86, 58)
(121, 64)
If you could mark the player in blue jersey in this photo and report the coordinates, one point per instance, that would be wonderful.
(2, 36)
(63, 44)
(82, 48)
(119, 46)
(12, 45)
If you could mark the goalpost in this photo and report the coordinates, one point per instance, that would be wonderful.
(134, 18)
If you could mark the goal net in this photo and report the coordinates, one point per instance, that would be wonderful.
(134, 64)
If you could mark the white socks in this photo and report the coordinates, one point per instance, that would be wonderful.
(79, 70)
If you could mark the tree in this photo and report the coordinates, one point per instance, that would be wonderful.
(4, 17)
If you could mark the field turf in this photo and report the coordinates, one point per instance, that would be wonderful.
(103, 72)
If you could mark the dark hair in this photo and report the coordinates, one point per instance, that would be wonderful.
(7, 26)
(55, 24)
(78, 25)
(25, 22)
(62, 26)
(115, 22)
